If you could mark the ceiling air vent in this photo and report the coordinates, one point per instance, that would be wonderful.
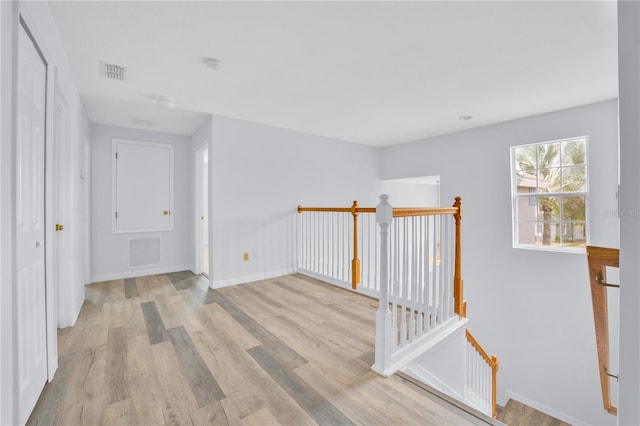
(114, 72)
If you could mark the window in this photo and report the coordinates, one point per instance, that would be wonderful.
(550, 192)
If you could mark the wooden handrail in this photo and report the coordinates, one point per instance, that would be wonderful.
(492, 361)
(430, 211)
(325, 209)
(397, 211)
(598, 258)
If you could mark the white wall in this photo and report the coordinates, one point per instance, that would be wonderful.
(259, 175)
(629, 89)
(531, 308)
(110, 252)
(409, 194)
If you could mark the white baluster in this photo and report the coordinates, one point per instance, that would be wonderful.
(426, 280)
(309, 240)
(420, 289)
(403, 283)
(441, 284)
(434, 270)
(445, 263)
(396, 275)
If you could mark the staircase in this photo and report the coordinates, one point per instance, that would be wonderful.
(518, 414)
(411, 262)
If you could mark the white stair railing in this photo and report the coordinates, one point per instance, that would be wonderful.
(419, 264)
(339, 245)
(411, 262)
(481, 377)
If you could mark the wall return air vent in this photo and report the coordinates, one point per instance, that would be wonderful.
(113, 72)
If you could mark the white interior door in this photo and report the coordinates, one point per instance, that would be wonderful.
(30, 221)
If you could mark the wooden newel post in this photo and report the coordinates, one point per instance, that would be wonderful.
(460, 305)
(494, 386)
(355, 263)
(384, 332)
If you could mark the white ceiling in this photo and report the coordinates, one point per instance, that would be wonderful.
(376, 73)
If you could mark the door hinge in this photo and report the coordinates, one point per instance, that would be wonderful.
(116, 215)
(116, 155)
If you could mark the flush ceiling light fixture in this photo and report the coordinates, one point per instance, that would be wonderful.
(165, 102)
(465, 118)
(213, 64)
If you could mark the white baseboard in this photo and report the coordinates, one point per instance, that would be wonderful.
(251, 278)
(342, 284)
(139, 273)
(547, 410)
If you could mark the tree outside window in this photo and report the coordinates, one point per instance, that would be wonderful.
(549, 184)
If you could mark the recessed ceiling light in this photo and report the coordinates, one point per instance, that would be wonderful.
(165, 102)
(465, 118)
(213, 64)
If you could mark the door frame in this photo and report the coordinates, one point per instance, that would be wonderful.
(59, 202)
(198, 208)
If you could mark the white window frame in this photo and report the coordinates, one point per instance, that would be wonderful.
(515, 196)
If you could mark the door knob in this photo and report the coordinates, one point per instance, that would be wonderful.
(201, 217)
(165, 212)
(59, 227)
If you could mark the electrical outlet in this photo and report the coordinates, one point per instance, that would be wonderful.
(245, 256)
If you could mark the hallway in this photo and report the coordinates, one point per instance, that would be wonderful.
(166, 350)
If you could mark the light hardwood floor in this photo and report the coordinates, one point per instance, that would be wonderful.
(166, 350)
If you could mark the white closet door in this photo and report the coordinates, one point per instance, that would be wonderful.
(144, 186)
(30, 255)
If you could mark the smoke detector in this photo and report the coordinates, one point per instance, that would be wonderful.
(165, 102)
(113, 71)
(213, 64)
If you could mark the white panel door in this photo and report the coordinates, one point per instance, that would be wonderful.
(144, 186)
(30, 255)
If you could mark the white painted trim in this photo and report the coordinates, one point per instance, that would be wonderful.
(342, 284)
(252, 278)
(210, 208)
(139, 273)
(543, 408)
(8, 76)
(421, 374)
(198, 209)
(428, 342)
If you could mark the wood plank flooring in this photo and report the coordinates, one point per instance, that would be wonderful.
(165, 349)
(518, 414)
